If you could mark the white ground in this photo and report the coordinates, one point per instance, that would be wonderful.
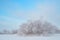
(16, 37)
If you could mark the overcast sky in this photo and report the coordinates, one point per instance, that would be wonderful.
(13, 13)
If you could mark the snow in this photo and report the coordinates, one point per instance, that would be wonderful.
(17, 37)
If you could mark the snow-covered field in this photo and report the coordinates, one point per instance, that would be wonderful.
(17, 37)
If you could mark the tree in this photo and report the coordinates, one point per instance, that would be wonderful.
(37, 28)
(14, 31)
(5, 31)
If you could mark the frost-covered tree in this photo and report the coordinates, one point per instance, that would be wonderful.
(5, 31)
(14, 31)
(37, 27)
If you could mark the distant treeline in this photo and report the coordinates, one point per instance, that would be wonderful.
(8, 32)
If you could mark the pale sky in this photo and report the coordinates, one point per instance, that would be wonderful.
(15, 12)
